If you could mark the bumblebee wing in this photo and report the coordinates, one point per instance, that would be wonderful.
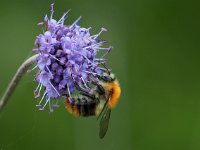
(104, 122)
(105, 107)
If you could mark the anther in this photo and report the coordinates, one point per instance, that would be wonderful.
(40, 24)
(102, 30)
(52, 10)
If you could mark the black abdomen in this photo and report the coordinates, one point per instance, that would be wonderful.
(85, 107)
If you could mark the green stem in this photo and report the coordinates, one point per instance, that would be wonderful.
(15, 80)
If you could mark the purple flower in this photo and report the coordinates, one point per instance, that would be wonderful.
(67, 59)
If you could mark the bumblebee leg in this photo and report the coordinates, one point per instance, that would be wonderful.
(88, 94)
(100, 88)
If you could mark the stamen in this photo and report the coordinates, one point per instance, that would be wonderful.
(54, 57)
(30, 70)
(95, 45)
(43, 30)
(50, 107)
(84, 83)
(52, 10)
(100, 59)
(108, 51)
(105, 48)
(68, 90)
(86, 58)
(102, 30)
(54, 88)
(39, 104)
(38, 86)
(89, 28)
(75, 22)
(45, 104)
(38, 95)
(46, 18)
(49, 71)
(62, 19)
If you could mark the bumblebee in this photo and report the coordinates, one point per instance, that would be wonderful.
(82, 105)
(99, 101)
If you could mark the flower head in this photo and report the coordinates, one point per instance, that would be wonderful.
(67, 59)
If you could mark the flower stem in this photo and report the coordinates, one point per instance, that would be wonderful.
(15, 80)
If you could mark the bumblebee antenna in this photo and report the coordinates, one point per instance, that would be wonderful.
(106, 68)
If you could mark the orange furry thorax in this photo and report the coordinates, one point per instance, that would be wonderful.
(115, 90)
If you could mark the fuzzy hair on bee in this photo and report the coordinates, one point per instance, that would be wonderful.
(112, 89)
(99, 101)
(82, 106)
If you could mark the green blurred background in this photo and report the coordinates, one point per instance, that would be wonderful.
(156, 58)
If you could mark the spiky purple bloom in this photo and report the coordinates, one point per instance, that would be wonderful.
(67, 59)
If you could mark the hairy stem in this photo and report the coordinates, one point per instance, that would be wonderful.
(15, 80)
